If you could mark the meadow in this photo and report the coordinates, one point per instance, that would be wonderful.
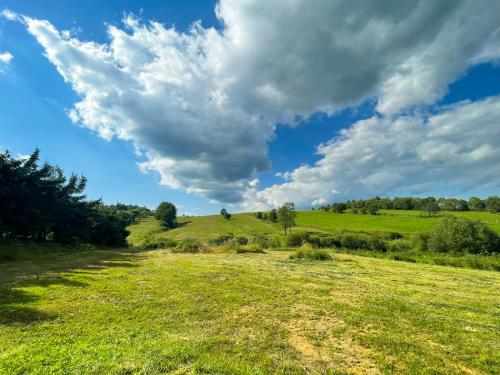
(95, 310)
(128, 311)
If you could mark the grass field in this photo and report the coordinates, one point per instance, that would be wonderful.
(124, 311)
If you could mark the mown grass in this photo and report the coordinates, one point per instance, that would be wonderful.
(125, 311)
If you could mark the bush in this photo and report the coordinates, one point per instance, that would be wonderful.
(420, 241)
(275, 242)
(241, 240)
(311, 254)
(250, 249)
(399, 245)
(296, 239)
(330, 241)
(314, 240)
(261, 241)
(189, 245)
(376, 243)
(456, 234)
(220, 240)
(392, 236)
(151, 243)
(354, 241)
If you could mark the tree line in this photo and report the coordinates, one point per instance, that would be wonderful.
(39, 203)
(429, 204)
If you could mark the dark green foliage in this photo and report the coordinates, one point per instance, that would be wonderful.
(167, 214)
(258, 215)
(295, 239)
(330, 241)
(354, 241)
(241, 240)
(39, 203)
(399, 245)
(265, 216)
(311, 254)
(227, 216)
(339, 207)
(456, 234)
(314, 240)
(273, 215)
(493, 204)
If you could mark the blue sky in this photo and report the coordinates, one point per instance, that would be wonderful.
(301, 106)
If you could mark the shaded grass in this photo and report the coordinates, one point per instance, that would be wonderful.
(230, 314)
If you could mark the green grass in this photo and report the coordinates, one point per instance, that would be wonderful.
(387, 221)
(127, 312)
(203, 227)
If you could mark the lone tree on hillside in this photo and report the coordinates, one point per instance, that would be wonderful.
(286, 215)
(273, 215)
(223, 212)
(167, 214)
(227, 215)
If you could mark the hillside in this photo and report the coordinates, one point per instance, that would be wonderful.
(206, 227)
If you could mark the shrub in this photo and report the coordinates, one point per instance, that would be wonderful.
(295, 239)
(314, 240)
(311, 254)
(261, 241)
(232, 246)
(151, 243)
(392, 236)
(330, 241)
(419, 241)
(376, 243)
(275, 242)
(354, 241)
(399, 245)
(456, 234)
(241, 240)
(189, 245)
(220, 240)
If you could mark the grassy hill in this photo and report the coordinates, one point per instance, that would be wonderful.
(205, 227)
(127, 312)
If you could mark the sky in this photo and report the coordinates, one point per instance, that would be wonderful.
(248, 104)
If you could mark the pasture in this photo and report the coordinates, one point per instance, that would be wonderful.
(125, 312)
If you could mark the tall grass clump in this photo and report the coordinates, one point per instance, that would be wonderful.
(151, 243)
(189, 245)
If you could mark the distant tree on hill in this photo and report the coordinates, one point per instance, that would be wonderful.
(476, 204)
(430, 208)
(265, 216)
(166, 212)
(339, 207)
(287, 215)
(493, 204)
(258, 215)
(223, 212)
(273, 215)
(227, 215)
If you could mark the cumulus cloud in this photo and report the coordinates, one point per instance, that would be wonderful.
(419, 152)
(202, 105)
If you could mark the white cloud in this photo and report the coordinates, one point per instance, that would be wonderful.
(6, 57)
(202, 105)
(420, 152)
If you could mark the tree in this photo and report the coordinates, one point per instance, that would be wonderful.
(430, 208)
(339, 207)
(223, 212)
(258, 215)
(476, 204)
(273, 215)
(167, 214)
(287, 215)
(493, 204)
(227, 215)
(264, 216)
